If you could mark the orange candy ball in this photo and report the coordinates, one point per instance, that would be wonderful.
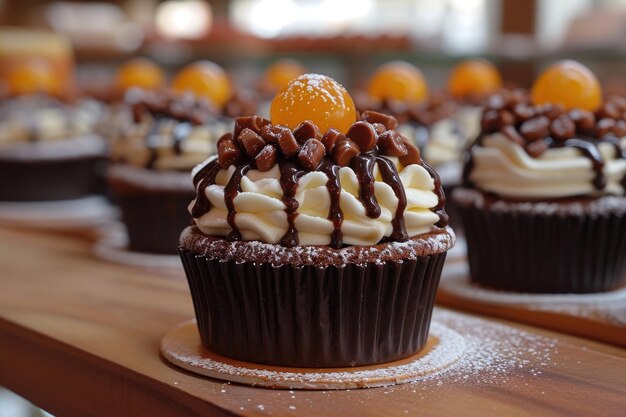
(36, 76)
(474, 77)
(398, 80)
(317, 98)
(570, 84)
(141, 73)
(281, 72)
(204, 79)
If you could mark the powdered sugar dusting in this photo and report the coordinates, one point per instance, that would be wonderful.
(469, 350)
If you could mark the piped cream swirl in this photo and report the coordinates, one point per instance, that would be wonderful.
(260, 211)
(503, 167)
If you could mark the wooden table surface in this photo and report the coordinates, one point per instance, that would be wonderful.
(80, 337)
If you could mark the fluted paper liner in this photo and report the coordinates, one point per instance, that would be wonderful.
(524, 251)
(313, 317)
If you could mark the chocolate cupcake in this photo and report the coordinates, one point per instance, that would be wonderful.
(48, 147)
(161, 137)
(543, 206)
(318, 239)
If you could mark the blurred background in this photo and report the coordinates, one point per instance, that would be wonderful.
(346, 39)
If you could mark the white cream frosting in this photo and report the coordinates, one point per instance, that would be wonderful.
(261, 212)
(504, 168)
(47, 119)
(449, 137)
(128, 142)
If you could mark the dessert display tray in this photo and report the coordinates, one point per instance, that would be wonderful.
(598, 316)
(77, 332)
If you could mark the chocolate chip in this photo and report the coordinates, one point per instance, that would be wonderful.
(490, 121)
(609, 110)
(255, 123)
(288, 144)
(379, 128)
(224, 137)
(266, 159)
(584, 120)
(251, 142)
(344, 151)
(506, 118)
(523, 112)
(330, 138)
(604, 127)
(496, 102)
(620, 128)
(363, 134)
(551, 111)
(562, 128)
(228, 153)
(373, 117)
(272, 133)
(535, 128)
(512, 134)
(311, 154)
(412, 155)
(536, 148)
(392, 143)
(305, 131)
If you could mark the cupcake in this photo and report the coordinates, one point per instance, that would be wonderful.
(160, 138)
(48, 144)
(318, 239)
(543, 202)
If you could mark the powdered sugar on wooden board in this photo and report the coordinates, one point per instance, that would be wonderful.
(469, 349)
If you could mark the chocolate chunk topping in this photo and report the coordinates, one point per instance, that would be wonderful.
(604, 127)
(512, 133)
(251, 142)
(330, 138)
(254, 123)
(344, 151)
(374, 117)
(562, 128)
(266, 159)
(392, 143)
(584, 120)
(311, 154)
(363, 135)
(535, 128)
(288, 144)
(412, 155)
(536, 148)
(305, 131)
(229, 153)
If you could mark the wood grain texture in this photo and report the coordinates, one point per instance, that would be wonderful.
(80, 337)
(601, 321)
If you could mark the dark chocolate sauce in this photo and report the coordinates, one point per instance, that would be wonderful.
(439, 209)
(363, 166)
(290, 175)
(201, 181)
(389, 174)
(335, 214)
(230, 192)
(590, 151)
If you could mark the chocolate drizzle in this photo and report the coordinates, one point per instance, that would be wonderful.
(298, 158)
(539, 128)
(363, 166)
(230, 192)
(290, 175)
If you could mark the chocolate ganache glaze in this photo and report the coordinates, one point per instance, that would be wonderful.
(257, 144)
(538, 128)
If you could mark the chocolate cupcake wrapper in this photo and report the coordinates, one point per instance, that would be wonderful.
(45, 180)
(313, 317)
(545, 253)
(155, 220)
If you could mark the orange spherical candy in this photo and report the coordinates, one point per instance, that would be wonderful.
(474, 77)
(204, 79)
(36, 76)
(281, 72)
(141, 73)
(398, 80)
(570, 84)
(317, 98)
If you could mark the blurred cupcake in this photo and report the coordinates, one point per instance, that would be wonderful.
(161, 137)
(276, 77)
(48, 144)
(544, 204)
(305, 226)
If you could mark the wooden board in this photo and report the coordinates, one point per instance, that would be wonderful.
(80, 337)
(599, 316)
